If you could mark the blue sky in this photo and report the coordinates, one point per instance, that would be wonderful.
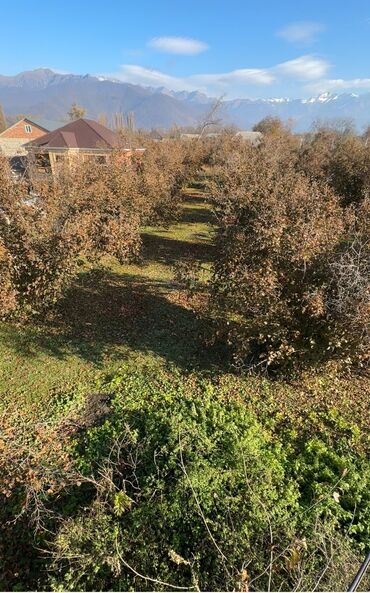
(240, 48)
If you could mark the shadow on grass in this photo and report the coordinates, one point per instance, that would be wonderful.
(110, 315)
(197, 215)
(106, 314)
(169, 251)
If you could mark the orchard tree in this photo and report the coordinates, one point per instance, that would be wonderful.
(270, 125)
(291, 276)
(2, 120)
(76, 112)
(103, 119)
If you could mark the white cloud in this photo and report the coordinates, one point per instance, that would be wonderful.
(338, 84)
(301, 32)
(150, 77)
(214, 83)
(178, 45)
(243, 75)
(304, 68)
(240, 82)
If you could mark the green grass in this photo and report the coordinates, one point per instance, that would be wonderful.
(125, 331)
(132, 316)
(113, 315)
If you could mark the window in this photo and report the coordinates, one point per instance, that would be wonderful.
(96, 158)
(42, 161)
(28, 129)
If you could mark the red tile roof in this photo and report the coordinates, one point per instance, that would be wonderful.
(81, 133)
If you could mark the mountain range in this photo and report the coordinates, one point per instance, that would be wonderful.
(47, 94)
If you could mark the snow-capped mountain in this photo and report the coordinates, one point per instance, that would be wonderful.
(302, 113)
(328, 97)
(191, 96)
(44, 93)
(277, 100)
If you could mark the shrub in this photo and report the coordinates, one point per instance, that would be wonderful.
(349, 293)
(87, 209)
(43, 237)
(277, 230)
(280, 272)
(7, 292)
(162, 171)
(34, 467)
(40, 247)
(192, 492)
(271, 126)
(341, 159)
(163, 480)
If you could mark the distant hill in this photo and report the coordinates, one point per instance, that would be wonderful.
(43, 93)
(303, 112)
(47, 94)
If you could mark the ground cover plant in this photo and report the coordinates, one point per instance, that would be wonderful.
(136, 452)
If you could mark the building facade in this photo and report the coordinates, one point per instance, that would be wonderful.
(12, 140)
(82, 139)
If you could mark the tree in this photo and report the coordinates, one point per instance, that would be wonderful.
(339, 158)
(131, 121)
(366, 135)
(174, 132)
(2, 120)
(118, 121)
(342, 126)
(211, 118)
(76, 112)
(103, 119)
(270, 125)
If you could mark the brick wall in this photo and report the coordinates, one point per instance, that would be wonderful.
(18, 131)
(12, 147)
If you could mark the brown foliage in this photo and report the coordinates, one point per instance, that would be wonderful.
(341, 159)
(87, 209)
(280, 276)
(40, 241)
(163, 170)
(271, 126)
(7, 292)
(349, 296)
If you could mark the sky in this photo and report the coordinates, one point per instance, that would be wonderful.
(234, 48)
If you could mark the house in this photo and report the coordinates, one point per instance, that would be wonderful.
(185, 136)
(155, 135)
(13, 139)
(254, 138)
(83, 138)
